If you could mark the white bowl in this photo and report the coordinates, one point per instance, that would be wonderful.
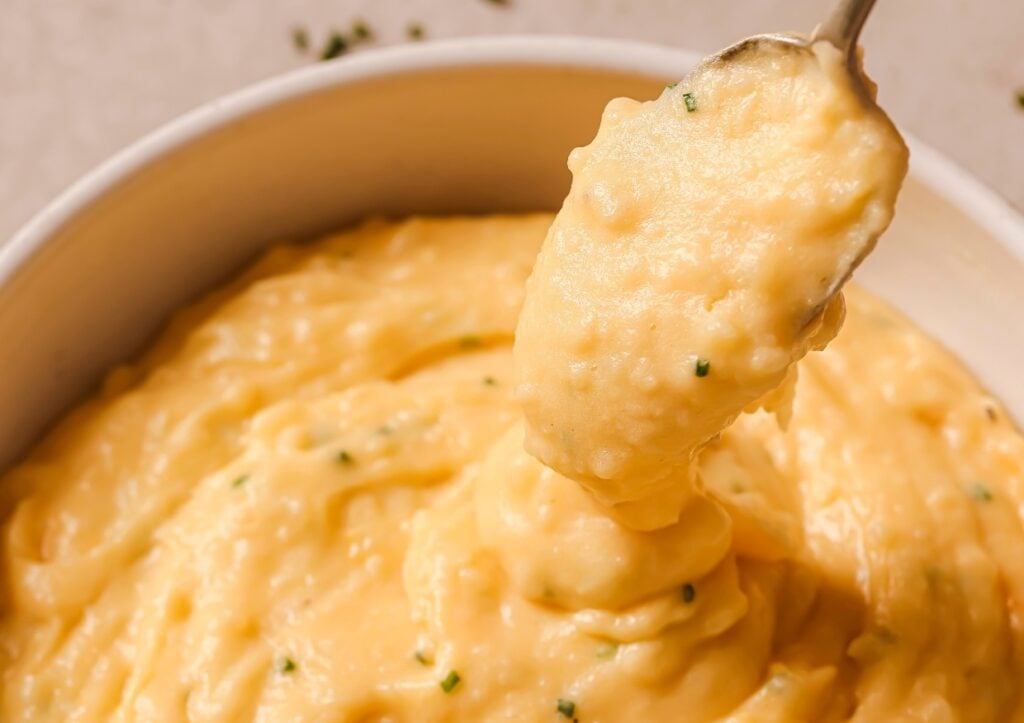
(472, 125)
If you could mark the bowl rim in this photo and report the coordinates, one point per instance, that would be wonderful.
(961, 189)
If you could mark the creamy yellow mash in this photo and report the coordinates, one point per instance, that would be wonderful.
(310, 502)
(679, 281)
(313, 499)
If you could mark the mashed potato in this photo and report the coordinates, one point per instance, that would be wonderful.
(310, 502)
(677, 283)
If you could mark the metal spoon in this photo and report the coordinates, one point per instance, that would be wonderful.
(841, 28)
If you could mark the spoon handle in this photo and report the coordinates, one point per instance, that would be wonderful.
(843, 24)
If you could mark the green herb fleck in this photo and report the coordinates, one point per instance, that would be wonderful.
(691, 102)
(414, 31)
(336, 46)
(886, 636)
(980, 492)
(240, 480)
(670, 86)
(566, 707)
(689, 593)
(451, 681)
(497, 2)
(361, 30)
(470, 342)
(300, 38)
(286, 665)
(345, 458)
(422, 658)
(607, 650)
(1020, 98)
(490, 382)
(702, 367)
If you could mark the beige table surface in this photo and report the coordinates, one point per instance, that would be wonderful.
(80, 79)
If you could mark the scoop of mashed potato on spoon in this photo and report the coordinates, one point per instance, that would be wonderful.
(686, 271)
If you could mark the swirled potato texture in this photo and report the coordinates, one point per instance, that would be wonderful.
(310, 501)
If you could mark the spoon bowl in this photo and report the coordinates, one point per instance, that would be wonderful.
(841, 28)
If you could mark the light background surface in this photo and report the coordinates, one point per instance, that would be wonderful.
(80, 79)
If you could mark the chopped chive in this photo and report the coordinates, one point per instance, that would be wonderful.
(702, 367)
(422, 658)
(496, 2)
(1020, 98)
(414, 31)
(451, 681)
(490, 382)
(344, 457)
(286, 665)
(670, 86)
(691, 102)
(566, 707)
(240, 480)
(470, 342)
(361, 30)
(980, 492)
(336, 46)
(689, 593)
(300, 38)
(607, 650)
